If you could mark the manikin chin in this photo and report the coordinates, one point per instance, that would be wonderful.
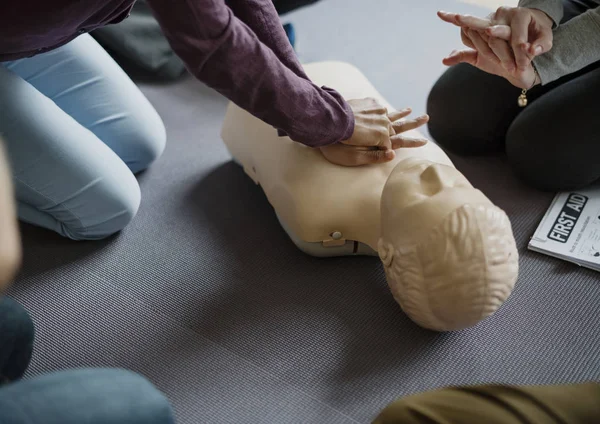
(449, 253)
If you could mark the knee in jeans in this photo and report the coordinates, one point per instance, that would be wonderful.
(151, 147)
(114, 208)
(151, 139)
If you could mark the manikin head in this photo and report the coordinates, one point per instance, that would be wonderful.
(449, 254)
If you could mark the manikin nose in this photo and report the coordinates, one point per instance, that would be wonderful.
(433, 181)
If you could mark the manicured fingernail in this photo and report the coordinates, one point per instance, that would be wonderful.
(538, 50)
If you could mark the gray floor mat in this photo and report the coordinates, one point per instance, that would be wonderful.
(205, 295)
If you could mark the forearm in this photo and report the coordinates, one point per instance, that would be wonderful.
(576, 44)
(262, 18)
(226, 54)
(10, 245)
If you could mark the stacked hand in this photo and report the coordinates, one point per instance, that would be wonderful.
(504, 43)
(377, 134)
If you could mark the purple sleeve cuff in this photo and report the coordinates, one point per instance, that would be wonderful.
(343, 124)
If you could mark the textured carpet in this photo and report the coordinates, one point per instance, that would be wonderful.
(205, 295)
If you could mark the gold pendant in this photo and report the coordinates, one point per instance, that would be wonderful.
(523, 99)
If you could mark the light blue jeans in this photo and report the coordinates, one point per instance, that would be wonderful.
(76, 129)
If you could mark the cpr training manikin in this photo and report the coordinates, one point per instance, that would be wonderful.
(449, 253)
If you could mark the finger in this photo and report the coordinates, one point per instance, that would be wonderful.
(532, 51)
(392, 130)
(503, 51)
(384, 142)
(520, 35)
(387, 143)
(465, 20)
(451, 18)
(500, 31)
(461, 56)
(473, 22)
(375, 156)
(465, 39)
(402, 141)
(394, 116)
(376, 134)
(481, 46)
(528, 51)
(411, 124)
(358, 157)
(542, 44)
(502, 15)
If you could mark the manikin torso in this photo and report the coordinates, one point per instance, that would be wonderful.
(331, 210)
(312, 197)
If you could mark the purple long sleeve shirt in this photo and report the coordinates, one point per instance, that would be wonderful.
(239, 49)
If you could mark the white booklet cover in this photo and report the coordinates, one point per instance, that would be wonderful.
(570, 229)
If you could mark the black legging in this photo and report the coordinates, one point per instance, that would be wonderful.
(552, 144)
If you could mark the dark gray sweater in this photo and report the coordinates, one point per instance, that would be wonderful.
(576, 43)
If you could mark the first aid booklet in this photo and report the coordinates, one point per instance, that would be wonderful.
(570, 229)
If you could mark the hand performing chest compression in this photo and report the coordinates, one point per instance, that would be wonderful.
(377, 134)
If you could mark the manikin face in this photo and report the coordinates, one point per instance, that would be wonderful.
(449, 254)
(419, 194)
